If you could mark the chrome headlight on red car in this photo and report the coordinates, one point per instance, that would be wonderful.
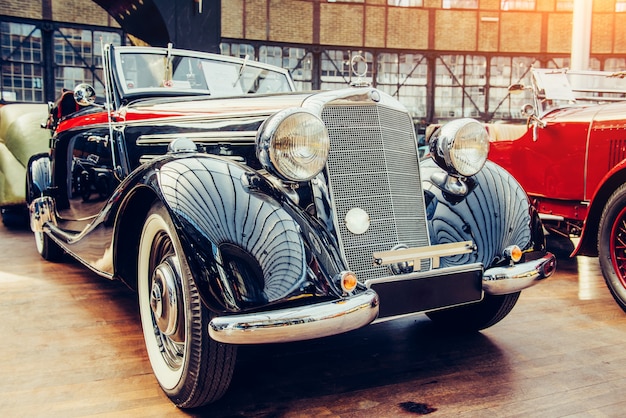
(460, 147)
(293, 144)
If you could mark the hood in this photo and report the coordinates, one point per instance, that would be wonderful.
(195, 107)
(596, 113)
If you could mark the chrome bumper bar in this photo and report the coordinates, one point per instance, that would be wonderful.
(511, 279)
(334, 317)
(295, 324)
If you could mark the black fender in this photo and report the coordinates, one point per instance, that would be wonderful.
(495, 214)
(38, 176)
(245, 247)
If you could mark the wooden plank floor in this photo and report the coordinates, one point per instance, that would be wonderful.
(72, 346)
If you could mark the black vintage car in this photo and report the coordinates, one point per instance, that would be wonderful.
(244, 212)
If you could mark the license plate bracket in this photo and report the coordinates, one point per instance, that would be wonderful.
(427, 291)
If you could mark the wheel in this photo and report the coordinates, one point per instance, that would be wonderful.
(559, 245)
(14, 216)
(612, 245)
(474, 317)
(191, 368)
(47, 248)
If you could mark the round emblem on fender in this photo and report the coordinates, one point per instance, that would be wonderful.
(357, 221)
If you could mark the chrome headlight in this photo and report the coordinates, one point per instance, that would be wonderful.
(460, 147)
(293, 144)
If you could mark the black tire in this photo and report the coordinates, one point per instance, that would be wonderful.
(559, 245)
(612, 245)
(47, 248)
(191, 368)
(476, 316)
(15, 216)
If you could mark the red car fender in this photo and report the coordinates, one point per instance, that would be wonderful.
(588, 244)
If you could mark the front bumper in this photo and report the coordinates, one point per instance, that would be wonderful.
(338, 316)
(511, 279)
(295, 324)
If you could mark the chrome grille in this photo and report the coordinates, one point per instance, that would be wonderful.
(373, 165)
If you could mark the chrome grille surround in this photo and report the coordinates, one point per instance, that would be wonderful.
(373, 165)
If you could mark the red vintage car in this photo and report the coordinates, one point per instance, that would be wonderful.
(571, 159)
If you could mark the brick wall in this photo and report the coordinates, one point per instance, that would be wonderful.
(407, 28)
(291, 18)
(73, 11)
(342, 24)
(81, 11)
(374, 24)
(26, 9)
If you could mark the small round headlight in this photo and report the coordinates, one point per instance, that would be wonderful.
(461, 147)
(294, 145)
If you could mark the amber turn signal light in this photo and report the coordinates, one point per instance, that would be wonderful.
(513, 253)
(348, 281)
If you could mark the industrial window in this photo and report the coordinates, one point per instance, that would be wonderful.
(78, 57)
(297, 60)
(22, 66)
(337, 68)
(564, 5)
(300, 63)
(404, 76)
(272, 55)
(620, 6)
(237, 50)
(615, 64)
(406, 3)
(503, 72)
(459, 4)
(460, 82)
(517, 4)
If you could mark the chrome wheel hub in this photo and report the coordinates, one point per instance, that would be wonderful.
(165, 300)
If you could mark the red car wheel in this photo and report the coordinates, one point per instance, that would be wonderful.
(618, 246)
(612, 245)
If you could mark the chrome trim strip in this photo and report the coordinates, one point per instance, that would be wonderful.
(259, 115)
(433, 252)
(296, 324)
(549, 217)
(511, 279)
(212, 137)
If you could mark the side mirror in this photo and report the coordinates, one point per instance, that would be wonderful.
(84, 94)
(516, 88)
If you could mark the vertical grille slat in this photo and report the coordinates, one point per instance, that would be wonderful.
(373, 165)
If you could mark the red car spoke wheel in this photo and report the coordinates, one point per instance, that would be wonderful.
(612, 245)
(618, 246)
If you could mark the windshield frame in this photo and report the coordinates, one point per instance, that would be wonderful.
(228, 70)
(561, 88)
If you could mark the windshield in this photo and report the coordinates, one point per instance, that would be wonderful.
(561, 87)
(144, 72)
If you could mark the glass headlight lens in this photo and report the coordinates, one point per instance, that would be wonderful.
(461, 147)
(294, 145)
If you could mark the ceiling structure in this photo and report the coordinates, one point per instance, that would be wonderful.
(189, 24)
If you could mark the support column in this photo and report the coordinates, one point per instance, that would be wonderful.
(581, 34)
